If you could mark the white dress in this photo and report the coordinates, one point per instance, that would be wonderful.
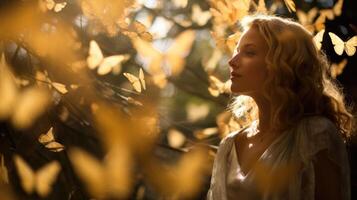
(298, 145)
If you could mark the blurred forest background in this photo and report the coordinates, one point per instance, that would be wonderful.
(124, 99)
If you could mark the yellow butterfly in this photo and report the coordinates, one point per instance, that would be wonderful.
(227, 44)
(339, 45)
(318, 38)
(218, 87)
(43, 79)
(51, 5)
(136, 82)
(48, 140)
(337, 68)
(197, 112)
(329, 14)
(111, 177)
(205, 133)
(39, 181)
(306, 19)
(135, 30)
(180, 3)
(260, 7)
(105, 65)
(21, 107)
(173, 58)
(229, 12)
(199, 16)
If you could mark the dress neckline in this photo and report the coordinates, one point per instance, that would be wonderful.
(242, 174)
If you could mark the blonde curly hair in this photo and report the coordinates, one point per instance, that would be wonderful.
(298, 82)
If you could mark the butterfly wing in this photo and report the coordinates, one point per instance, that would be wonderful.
(59, 6)
(50, 4)
(30, 105)
(311, 14)
(95, 56)
(338, 44)
(108, 64)
(111, 62)
(302, 16)
(55, 146)
(89, 170)
(46, 176)
(46, 138)
(142, 31)
(8, 90)
(178, 50)
(337, 69)
(142, 78)
(350, 46)
(61, 88)
(337, 9)
(150, 54)
(199, 16)
(26, 175)
(318, 38)
(135, 82)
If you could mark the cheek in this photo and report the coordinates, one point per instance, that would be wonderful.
(255, 69)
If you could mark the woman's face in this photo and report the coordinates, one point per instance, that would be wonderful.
(247, 66)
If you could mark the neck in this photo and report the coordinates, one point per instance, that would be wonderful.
(264, 113)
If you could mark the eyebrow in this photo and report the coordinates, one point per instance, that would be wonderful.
(247, 45)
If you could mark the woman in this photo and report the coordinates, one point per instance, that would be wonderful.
(295, 150)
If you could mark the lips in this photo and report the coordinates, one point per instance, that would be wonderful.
(235, 75)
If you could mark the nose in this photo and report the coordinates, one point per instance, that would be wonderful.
(233, 61)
